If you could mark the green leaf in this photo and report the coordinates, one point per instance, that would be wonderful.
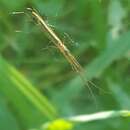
(20, 92)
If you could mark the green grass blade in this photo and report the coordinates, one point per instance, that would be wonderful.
(118, 49)
(23, 86)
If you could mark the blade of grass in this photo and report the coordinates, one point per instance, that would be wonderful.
(104, 60)
(99, 21)
(100, 116)
(25, 87)
(97, 66)
(70, 122)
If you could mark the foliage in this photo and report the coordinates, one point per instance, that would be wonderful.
(38, 88)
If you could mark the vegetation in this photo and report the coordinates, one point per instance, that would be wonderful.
(39, 89)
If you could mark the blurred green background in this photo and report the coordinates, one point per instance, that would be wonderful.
(97, 34)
